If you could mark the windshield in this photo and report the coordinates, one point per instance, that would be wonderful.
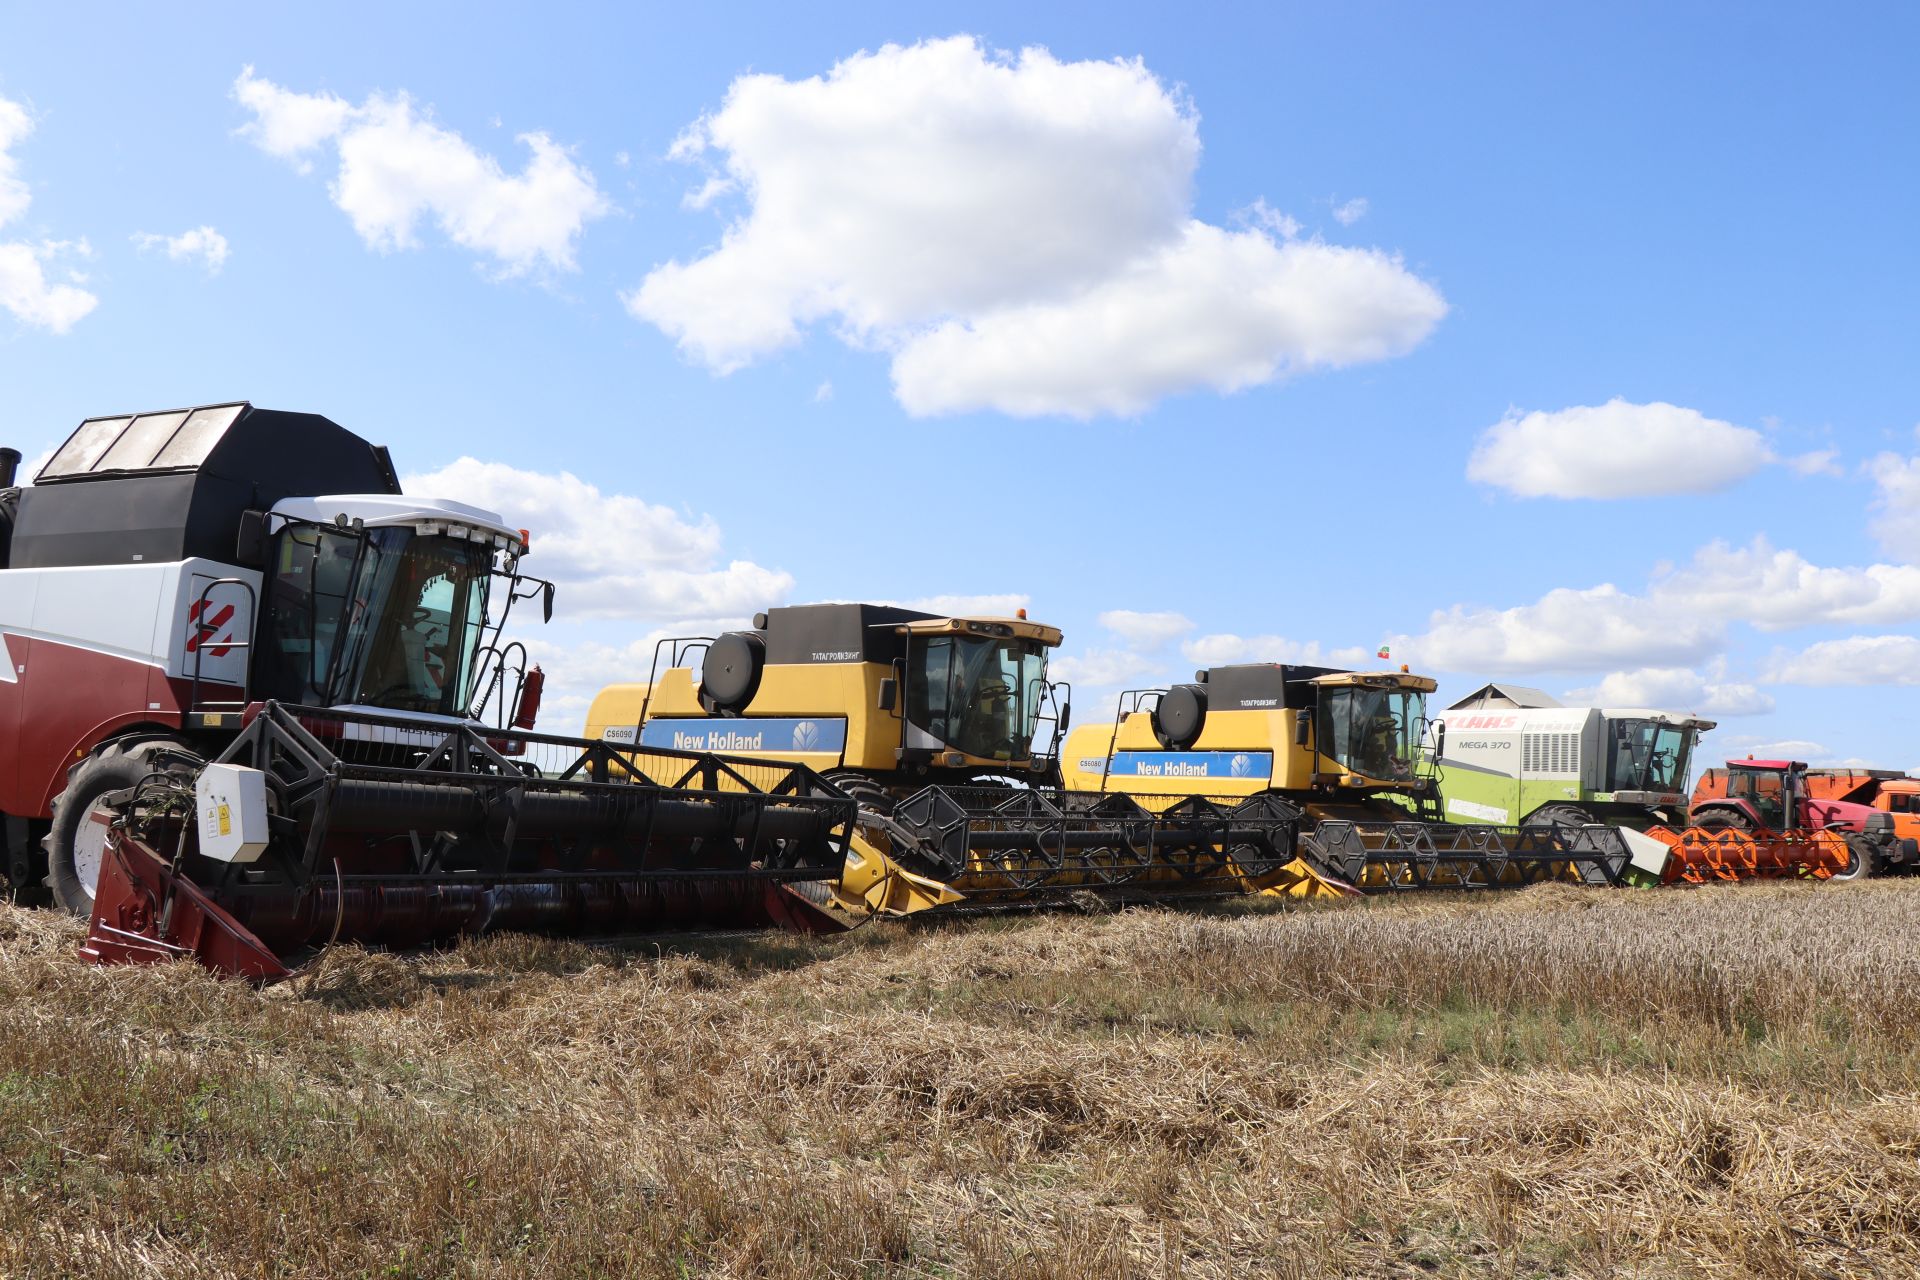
(1763, 789)
(1645, 756)
(386, 618)
(977, 694)
(1372, 732)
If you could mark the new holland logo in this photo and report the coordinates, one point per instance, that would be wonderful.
(1241, 765)
(806, 736)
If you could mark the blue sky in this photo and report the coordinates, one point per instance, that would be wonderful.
(977, 310)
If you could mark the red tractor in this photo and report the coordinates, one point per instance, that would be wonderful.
(1766, 817)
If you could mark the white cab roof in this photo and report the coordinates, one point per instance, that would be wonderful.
(377, 510)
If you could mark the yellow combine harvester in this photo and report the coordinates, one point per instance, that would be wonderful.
(1345, 746)
(930, 722)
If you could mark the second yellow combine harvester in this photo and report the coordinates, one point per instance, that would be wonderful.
(930, 722)
(1347, 748)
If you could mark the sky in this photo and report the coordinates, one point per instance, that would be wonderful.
(1566, 345)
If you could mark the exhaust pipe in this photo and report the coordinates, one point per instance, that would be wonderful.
(9, 466)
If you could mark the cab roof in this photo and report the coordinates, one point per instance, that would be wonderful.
(1014, 627)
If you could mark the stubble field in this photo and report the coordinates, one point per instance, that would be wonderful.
(1713, 1082)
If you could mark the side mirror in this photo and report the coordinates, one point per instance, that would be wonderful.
(887, 689)
(250, 547)
(546, 603)
(1439, 740)
(1302, 727)
(1066, 716)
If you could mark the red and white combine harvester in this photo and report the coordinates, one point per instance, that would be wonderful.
(247, 676)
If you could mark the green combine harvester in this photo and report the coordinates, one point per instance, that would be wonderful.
(1510, 756)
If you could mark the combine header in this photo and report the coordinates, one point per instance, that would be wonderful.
(1345, 748)
(317, 826)
(930, 722)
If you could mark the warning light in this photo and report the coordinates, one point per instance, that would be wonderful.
(1020, 614)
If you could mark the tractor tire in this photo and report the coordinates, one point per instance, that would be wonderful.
(73, 855)
(1723, 820)
(1560, 815)
(872, 796)
(1860, 861)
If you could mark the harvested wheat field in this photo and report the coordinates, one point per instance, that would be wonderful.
(1553, 1082)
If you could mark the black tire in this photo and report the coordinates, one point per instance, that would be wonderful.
(1560, 815)
(114, 767)
(1723, 820)
(1860, 861)
(872, 796)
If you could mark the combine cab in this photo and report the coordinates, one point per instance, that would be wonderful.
(1344, 747)
(1777, 819)
(931, 722)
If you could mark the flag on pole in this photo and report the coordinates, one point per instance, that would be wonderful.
(1383, 653)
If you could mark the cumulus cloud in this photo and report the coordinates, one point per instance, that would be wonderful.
(1099, 674)
(1146, 630)
(1896, 506)
(1854, 660)
(1014, 231)
(1778, 590)
(26, 292)
(1348, 212)
(397, 168)
(1615, 450)
(205, 244)
(659, 566)
(1217, 309)
(1679, 620)
(1568, 629)
(1675, 688)
(1223, 648)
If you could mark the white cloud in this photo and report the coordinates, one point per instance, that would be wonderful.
(203, 243)
(957, 208)
(398, 168)
(612, 555)
(1221, 649)
(1615, 450)
(1681, 619)
(1262, 214)
(1779, 590)
(1675, 688)
(1820, 462)
(1146, 630)
(25, 290)
(1741, 746)
(1351, 211)
(286, 124)
(1567, 629)
(15, 195)
(1896, 507)
(1224, 310)
(1855, 660)
(1099, 674)
(823, 393)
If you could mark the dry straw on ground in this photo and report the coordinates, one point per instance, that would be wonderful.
(1552, 1082)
